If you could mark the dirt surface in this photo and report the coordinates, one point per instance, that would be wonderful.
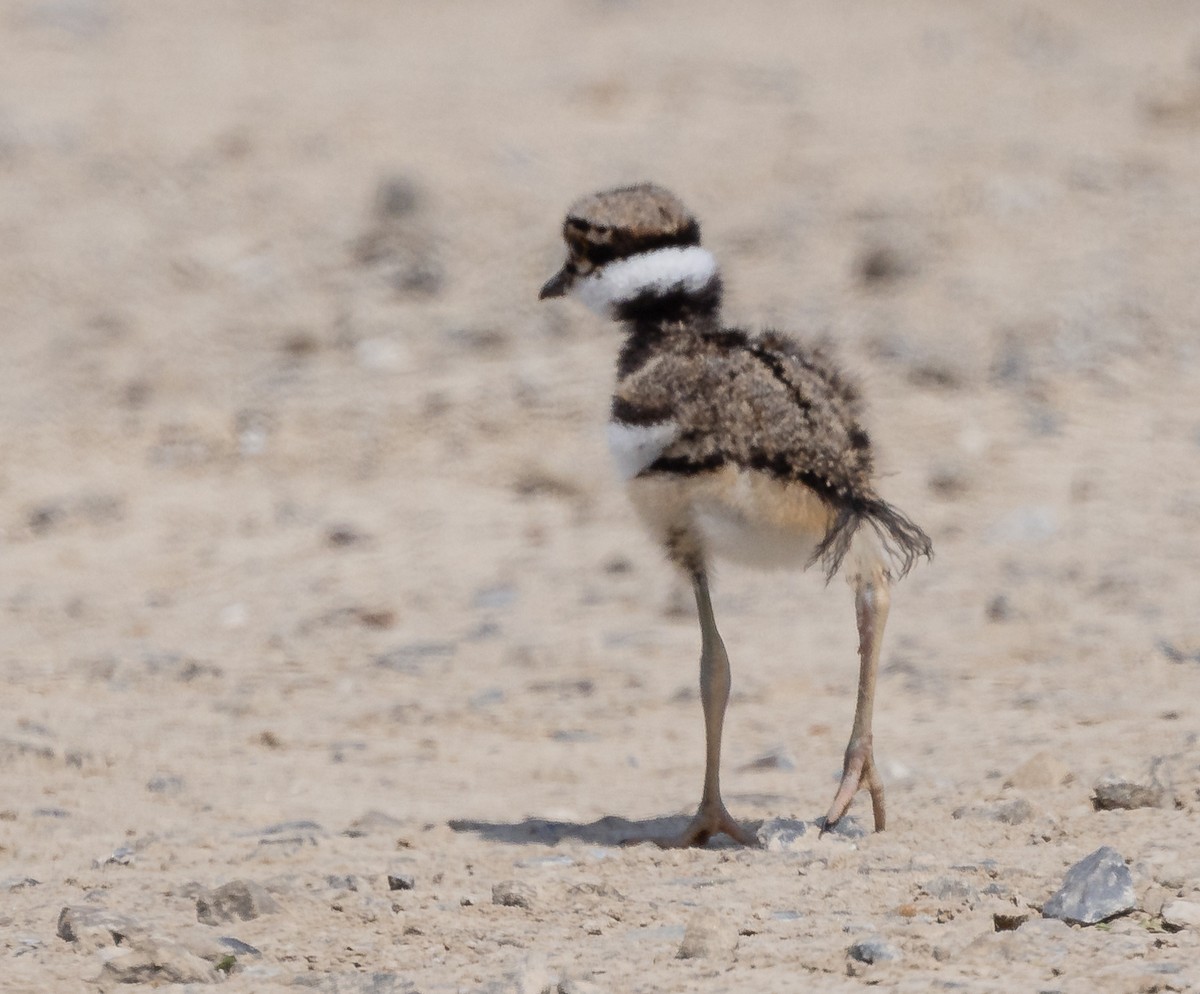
(316, 575)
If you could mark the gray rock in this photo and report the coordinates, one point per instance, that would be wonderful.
(241, 900)
(344, 881)
(1180, 652)
(121, 856)
(94, 926)
(1181, 914)
(415, 657)
(708, 936)
(1095, 889)
(238, 947)
(18, 883)
(153, 961)
(999, 608)
(784, 835)
(885, 262)
(199, 940)
(874, 949)
(297, 833)
(514, 894)
(848, 827)
(947, 888)
(779, 758)
(165, 783)
(1113, 793)
(11, 749)
(403, 881)
(292, 827)
(51, 813)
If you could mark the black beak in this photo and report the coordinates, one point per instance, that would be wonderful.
(558, 284)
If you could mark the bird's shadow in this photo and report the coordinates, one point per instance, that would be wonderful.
(613, 830)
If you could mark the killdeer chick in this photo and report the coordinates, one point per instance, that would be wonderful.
(733, 445)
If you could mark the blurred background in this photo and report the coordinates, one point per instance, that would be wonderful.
(299, 476)
(313, 560)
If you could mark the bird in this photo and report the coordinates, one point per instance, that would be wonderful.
(733, 446)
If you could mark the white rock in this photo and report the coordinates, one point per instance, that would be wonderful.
(1182, 914)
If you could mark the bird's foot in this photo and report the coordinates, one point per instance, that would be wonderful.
(711, 819)
(859, 771)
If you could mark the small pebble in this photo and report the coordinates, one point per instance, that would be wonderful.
(98, 926)
(876, 949)
(514, 894)
(778, 758)
(415, 656)
(291, 833)
(848, 827)
(238, 947)
(1011, 812)
(165, 783)
(884, 263)
(122, 856)
(785, 835)
(1180, 652)
(1009, 921)
(1113, 793)
(242, 900)
(401, 881)
(999, 608)
(947, 888)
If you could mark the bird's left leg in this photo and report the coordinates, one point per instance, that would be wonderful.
(712, 818)
(871, 602)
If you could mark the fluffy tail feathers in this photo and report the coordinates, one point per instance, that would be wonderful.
(903, 542)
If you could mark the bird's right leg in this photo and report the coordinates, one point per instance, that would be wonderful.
(871, 602)
(712, 818)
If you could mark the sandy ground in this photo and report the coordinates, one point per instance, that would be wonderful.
(315, 572)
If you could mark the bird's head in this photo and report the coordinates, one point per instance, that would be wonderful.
(630, 247)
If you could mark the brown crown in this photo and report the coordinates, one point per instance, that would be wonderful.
(617, 223)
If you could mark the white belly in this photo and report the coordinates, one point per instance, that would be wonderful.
(728, 534)
(743, 516)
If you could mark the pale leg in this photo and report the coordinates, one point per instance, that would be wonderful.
(712, 817)
(871, 601)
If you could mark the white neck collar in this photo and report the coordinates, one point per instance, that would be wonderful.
(658, 272)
